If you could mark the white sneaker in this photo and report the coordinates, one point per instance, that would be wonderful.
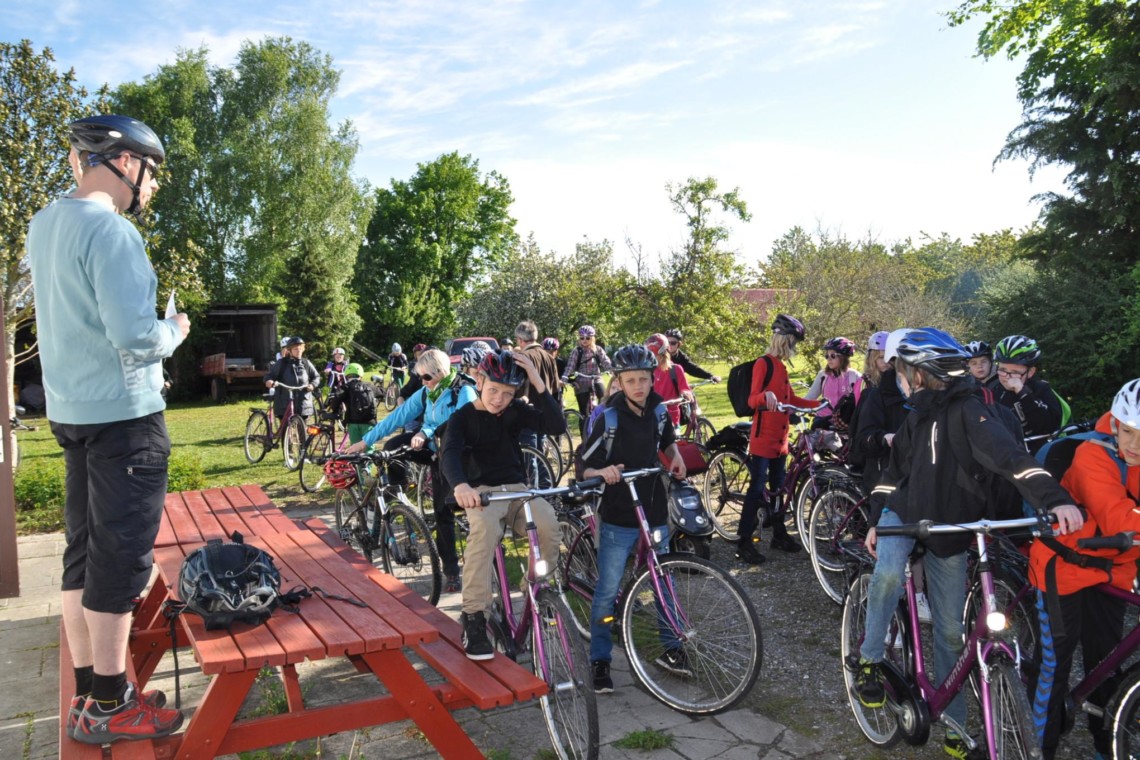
(923, 607)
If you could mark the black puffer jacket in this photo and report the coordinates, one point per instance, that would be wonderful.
(1036, 407)
(882, 410)
(924, 481)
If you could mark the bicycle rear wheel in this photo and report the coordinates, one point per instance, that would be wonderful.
(705, 430)
(409, 553)
(559, 657)
(698, 647)
(318, 449)
(1125, 711)
(726, 482)
(293, 443)
(257, 440)
(391, 395)
(537, 469)
(575, 424)
(878, 724)
(352, 523)
(1014, 734)
(832, 525)
(553, 452)
(580, 573)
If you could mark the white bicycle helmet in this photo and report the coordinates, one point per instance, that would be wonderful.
(891, 347)
(395, 348)
(1126, 404)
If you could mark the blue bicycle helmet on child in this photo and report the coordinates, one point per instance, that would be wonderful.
(934, 351)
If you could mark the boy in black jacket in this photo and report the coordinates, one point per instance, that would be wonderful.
(640, 433)
(925, 481)
(481, 452)
(359, 401)
(1017, 386)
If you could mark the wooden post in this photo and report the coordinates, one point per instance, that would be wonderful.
(9, 561)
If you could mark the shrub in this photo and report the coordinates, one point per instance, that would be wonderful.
(185, 472)
(39, 491)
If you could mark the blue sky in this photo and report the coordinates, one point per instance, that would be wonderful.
(864, 117)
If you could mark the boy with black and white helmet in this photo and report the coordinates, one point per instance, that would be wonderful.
(981, 363)
(640, 432)
(1018, 385)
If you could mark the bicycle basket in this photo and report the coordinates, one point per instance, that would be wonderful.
(825, 440)
(340, 474)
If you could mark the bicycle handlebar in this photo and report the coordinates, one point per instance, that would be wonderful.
(1121, 542)
(1076, 427)
(290, 387)
(923, 529)
(575, 487)
(372, 456)
(790, 408)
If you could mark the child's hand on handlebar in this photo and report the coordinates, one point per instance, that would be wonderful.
(771, 401)
(1069, 519)
(611, 473)
(467, 497)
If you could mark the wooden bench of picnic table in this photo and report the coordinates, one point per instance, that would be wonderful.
(379, 638)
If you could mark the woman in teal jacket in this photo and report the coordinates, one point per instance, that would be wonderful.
(435, 402)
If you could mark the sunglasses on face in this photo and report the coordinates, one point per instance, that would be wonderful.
(674, 343)
(833, 356)
(426, 376)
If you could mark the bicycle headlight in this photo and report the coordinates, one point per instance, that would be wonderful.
(996, 621)
(542, 567)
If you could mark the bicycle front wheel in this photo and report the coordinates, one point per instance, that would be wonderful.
(696, 646)
(570, 707)
(552, 450)
(705, 430)
(1125, 711)
(537, 469)
(391, 395)
(833, 524)
(878, 724)
(318, 449)
(726, 482)
(294, 443)
(409, 553)
(256, 436)
(1014, 735)
(352, 523)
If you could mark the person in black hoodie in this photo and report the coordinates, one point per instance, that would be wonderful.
(1017, 386)
(882, 410)
(924, 481)
(682, 360)
(641, 432)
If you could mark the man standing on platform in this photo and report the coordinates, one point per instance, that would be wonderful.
(101, 348)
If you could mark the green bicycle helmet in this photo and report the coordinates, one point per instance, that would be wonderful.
(1017, 349)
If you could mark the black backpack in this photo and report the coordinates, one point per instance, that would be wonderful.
(740, 385)
(1002, 499)
(361, 402)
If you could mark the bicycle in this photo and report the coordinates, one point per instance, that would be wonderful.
(575, 420)
(262, 432)
(390, 392)
(380, 520)
(670, 602)
(726, 481)
(694, 426)
(320, 444)
(913, 702)
(16, 424)
(558, 655)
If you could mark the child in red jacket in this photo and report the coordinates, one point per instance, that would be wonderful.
(768, 442)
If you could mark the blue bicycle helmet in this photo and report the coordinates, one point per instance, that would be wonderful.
(934, 351)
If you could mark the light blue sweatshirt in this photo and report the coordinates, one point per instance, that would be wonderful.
(101, 343)
(435, 413)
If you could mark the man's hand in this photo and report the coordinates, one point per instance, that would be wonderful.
(467, 497)
(356, 448)
(269, 383)
(182, 322)
(715, 378)
(1069, 519)
(418, 441)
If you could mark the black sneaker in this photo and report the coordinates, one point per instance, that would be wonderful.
(676, 662)
(785, 544)
(475, 641)
(869, 685)
(603, 684)
(746, 552)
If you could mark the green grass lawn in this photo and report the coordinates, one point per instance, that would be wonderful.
(207, 452)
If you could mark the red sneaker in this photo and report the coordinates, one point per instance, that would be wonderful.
(132, 719)
(153, 698)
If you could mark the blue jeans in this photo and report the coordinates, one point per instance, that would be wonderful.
(761, 469)
(945, 590)
(615, 544)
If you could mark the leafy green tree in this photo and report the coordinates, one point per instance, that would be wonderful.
(260, 195)
(695, 289)
(37, 102)
(430, 239)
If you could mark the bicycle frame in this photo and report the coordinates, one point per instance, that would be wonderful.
(981, 643)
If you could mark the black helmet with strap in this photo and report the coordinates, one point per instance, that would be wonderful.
(109, 135)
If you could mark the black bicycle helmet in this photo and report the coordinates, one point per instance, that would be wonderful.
(109, 135)
(674, 332)
(632, 357)
(1017, 349)
(841, 346)
(295, 340)
(500, 367)
(229, 582)
(934, 351)
(979, 348)
(786, 324)
(472, 356)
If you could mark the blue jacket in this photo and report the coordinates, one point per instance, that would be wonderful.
(101, 342)
(434, 413)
